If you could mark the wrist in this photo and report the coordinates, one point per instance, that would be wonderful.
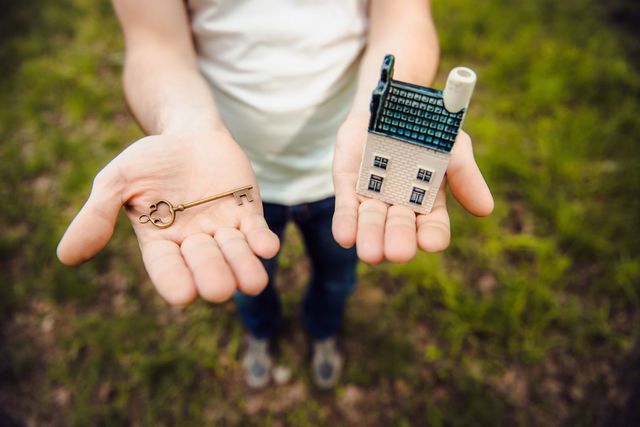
(196, 136)
(194, 124)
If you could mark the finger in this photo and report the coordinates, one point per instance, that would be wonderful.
(466, 181)
(168, 271)
(211, 274)
(247, 269)
(371, 218)
(400, 234)
(434, 232)
(93, 226)
(262, 241)
(345, 217)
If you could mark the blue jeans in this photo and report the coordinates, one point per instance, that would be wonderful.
(333, 275)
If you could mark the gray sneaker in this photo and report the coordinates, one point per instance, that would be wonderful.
(257, 363)
(326, 364)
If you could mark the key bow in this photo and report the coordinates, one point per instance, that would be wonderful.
(157, 220)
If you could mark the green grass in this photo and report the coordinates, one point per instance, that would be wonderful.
(529, 318)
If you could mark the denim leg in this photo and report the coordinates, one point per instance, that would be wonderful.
(334, 269)
(260, 314)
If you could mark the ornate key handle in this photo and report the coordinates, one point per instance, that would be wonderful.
(157, 220)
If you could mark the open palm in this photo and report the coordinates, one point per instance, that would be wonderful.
(395, 232)
(210, 250)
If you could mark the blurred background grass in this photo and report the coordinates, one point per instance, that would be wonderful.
(530, 318)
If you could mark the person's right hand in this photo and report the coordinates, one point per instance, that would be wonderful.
(211, 249)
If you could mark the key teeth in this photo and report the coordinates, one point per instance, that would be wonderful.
(239, 194)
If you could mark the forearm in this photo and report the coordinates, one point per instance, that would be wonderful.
(405, 30)
(162, 83)
(166, 92)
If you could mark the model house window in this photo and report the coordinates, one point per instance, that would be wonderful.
(424, 175)
(417, 196)
(380, 162)
(375, 183)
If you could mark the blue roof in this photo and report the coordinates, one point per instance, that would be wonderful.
(413, 114)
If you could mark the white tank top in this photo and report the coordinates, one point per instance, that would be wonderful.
(283, 74)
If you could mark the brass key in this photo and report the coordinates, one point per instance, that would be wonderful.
(238, 193)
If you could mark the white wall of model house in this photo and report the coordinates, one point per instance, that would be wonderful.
(400, 177)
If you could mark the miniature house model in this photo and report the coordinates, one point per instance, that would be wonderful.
(411, 133)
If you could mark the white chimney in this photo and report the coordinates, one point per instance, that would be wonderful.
(459, 88)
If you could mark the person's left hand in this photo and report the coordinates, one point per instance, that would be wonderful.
(380, 231)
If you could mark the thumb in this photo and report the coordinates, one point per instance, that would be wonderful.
(92, 228)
